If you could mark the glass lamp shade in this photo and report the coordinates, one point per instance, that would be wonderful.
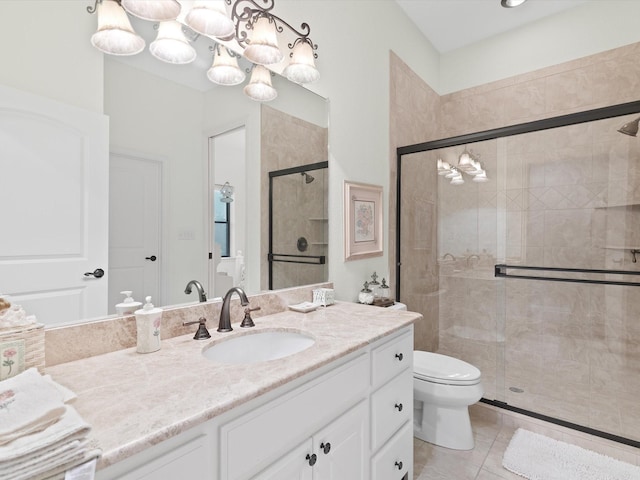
(302, 67)
(153, 10)
(481, 177)
(452, 173)
(208, 17)
(457, 180)
(171, 45)
(263, 44)
(115, 35)
(465, 162)
(225, 70)
(259, 87)
(511, 3)
(443, 167)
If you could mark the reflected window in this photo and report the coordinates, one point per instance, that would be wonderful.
(221, 214)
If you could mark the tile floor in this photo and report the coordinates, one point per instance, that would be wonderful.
(493, 429)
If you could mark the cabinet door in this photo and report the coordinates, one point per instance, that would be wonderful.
(189, 461)
(296, 465)
(340, 446)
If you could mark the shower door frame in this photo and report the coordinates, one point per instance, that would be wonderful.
(302, 259)
(528, 127)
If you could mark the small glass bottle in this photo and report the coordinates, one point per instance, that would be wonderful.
(385, 291)
(366, 295)
(374, 285)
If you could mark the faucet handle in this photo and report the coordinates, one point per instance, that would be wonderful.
(202, 332)
(248, 321)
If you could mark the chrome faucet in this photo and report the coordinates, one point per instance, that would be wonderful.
(201, 295)
(224, 325)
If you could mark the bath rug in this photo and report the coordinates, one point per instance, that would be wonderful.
(537, 457)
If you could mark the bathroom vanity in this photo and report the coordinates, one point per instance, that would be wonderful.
(339, 409)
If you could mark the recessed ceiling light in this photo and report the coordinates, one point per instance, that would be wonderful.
(512, 3)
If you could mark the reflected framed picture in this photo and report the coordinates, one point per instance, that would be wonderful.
(362, 221)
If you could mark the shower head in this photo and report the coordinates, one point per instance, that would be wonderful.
(630, 128)
(307, 178)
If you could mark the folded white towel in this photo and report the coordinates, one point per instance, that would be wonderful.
(28, 404)
(60, 446)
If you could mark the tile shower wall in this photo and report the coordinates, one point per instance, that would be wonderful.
(413, 110)
(562, 199)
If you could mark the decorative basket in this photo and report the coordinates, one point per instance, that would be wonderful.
(21, 348)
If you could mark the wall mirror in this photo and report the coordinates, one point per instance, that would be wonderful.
(167, 127)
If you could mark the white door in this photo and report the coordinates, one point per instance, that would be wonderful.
(135, 192)
(53, 207)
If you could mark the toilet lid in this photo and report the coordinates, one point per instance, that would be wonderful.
(438, 368)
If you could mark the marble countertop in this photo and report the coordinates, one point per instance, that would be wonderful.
(134, 401)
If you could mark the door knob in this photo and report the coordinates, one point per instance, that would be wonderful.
(98, 272)
(153, 258)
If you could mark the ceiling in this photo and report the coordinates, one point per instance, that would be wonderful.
(452, 24)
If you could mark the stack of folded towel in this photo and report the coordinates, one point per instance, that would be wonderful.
(40, 435)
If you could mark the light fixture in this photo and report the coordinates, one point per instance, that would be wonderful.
(259, 87)
(250, 29)
(466, 164)
(227, 193)
(152, 10)
(302, 67)
(225, 69)
(115, 35)
(208, 17)
(171, 45)
(630, 128)
(511, 3)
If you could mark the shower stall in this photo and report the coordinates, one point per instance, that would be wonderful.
(521, 248)
(298, 222)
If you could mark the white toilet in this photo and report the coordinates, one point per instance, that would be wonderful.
(443, 389)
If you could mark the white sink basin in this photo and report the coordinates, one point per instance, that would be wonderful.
(258, 347)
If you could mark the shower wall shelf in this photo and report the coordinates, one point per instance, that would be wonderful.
(501, 271)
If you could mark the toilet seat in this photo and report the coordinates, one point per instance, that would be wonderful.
(437, 368)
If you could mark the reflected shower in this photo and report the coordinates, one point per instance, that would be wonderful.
(630, 128)
(307, 178)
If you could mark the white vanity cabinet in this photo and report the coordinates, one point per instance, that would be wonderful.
(348, 420)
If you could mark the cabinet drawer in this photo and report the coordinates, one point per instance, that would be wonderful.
(250, 442)
(391, 358)
(395, 459)
(391, 406)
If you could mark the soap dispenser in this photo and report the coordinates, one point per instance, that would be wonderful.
(148, 326)
(128, 305)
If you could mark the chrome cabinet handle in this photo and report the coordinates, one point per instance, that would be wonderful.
(399, 465)
(399, 356)
(398, 406)
(153, 258)
(326, 447)
(312, 459)
(97, 273)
